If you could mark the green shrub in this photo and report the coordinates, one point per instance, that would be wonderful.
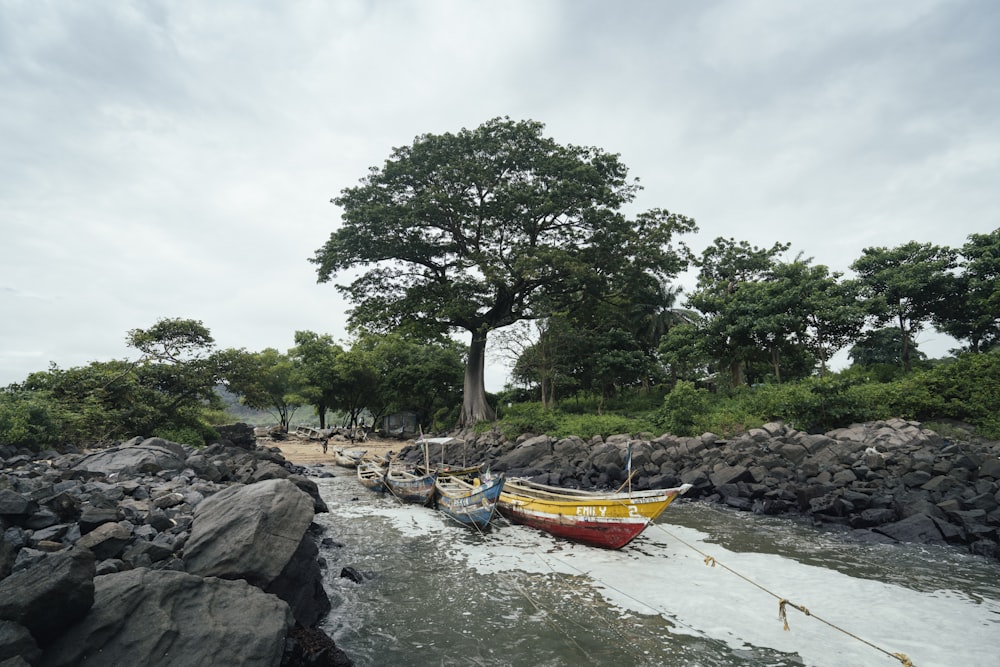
(587, 426)
(682, 408)
(28, 420)
(727, 421)
(528, 418)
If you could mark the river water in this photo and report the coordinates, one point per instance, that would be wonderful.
(436, 593)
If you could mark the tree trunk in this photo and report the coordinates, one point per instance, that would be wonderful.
(736, 373)
(474, 406)
(905, 353)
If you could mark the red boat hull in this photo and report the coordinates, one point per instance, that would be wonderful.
(595, 532)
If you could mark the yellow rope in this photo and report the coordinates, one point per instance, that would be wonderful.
(784, 603)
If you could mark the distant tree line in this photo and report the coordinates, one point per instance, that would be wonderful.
(170, 390)
(516, 240)
(504, 234)
(755, 318)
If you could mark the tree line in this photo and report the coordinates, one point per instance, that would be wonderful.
(503, 233)
(755, 318)
(523, 244)
(171, 389)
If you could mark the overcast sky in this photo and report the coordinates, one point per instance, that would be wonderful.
(177, 159)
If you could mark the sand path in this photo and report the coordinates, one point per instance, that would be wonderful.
(302, 451)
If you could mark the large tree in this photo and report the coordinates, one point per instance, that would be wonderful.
(906, 285)
(972, 312)
(269, 380)
(731, 295)
(316, 357)
(825, 313)
(482, 228)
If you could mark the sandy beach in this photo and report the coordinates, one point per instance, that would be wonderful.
(303, 451)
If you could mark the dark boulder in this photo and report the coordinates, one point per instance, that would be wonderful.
(149, 457)
(310, 646)
(256, 532)
(917, 528)
(56, 591)
(526, 455)
(17, 642)
(144, 617)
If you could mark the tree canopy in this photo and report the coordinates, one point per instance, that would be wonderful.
(482, 228)
(906, 285)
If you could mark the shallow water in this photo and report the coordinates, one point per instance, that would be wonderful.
(439, 594)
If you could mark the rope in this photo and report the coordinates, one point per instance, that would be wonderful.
(626, 641)
(784, 603)
(609, 625)
(547, 615)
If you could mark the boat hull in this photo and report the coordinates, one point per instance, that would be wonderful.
(609, 520)
(371, 476)
(348, 458)
(472, 506)
(410, 488)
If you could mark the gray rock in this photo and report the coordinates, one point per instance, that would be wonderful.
(791, 452)
(49, 596)
(917, 528)
(990, 468)
(107, 540)
(248, 532)
(92, 517)
(150, 456)
(259, 533)
(17, 642)
(525, 454)
(145, 617)
(730, 475)
(15, 506)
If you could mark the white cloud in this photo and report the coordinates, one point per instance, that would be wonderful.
(176, 159)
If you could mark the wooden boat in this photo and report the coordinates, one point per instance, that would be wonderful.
(409, 485)
(471, 501)
(442, 470)
(371, 474)
(348, 458)
(610, 520)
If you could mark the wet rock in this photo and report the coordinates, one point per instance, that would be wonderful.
(916, 528)
(351, 573)
(309, 646)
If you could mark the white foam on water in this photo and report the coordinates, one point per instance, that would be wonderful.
(657, 574)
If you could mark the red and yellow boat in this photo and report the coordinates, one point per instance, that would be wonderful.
(608, 520)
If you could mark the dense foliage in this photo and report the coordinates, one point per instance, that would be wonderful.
(477, 230)
(173, 390)
(966, 389)
(501, 231)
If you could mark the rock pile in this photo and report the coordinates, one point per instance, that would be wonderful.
(152, 552)
(889, 480)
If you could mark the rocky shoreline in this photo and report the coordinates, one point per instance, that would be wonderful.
(890, 481)
(152, 552)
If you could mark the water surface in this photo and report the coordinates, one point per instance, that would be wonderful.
(439, 594)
